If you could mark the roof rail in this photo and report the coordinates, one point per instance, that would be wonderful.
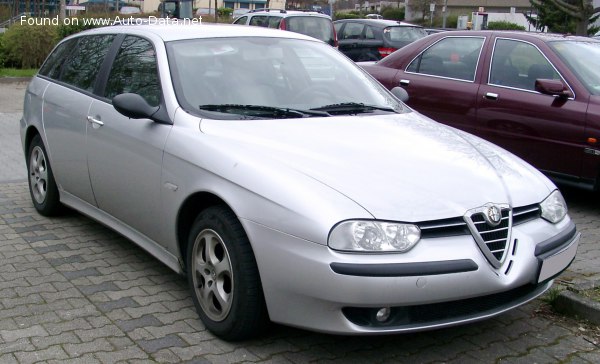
(282, 11)
(309, 10)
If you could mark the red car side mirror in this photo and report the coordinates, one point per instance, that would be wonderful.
(552, 87)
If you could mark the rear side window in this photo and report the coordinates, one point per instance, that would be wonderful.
(51, 68)
(274, 22)
(352, 31)
(404, 34)
(452, 57)
(135, 70)
(82, 68)
(313, 26)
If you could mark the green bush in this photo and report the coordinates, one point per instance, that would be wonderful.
(393, 13)
(2, 54)
(26, 46)
(504, 25)
(346, 16)
(224, 12)
(75, 26)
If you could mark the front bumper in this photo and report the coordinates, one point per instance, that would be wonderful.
(310, 286)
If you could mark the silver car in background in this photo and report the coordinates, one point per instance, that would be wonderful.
(286, 183)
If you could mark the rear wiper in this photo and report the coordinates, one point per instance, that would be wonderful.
(351, 108)
(262, 111)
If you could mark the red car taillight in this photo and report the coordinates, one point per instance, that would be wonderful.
(383, 51)
(282, 24)
(335, 40)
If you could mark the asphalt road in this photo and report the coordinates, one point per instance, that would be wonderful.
(74, 291)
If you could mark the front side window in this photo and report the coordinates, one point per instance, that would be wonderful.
(82, 67)
(135, 70)
(452, 57)
(255, 74)
(259, 21)
(242, 20)
(519, 64)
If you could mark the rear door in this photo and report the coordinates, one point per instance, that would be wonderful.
(544, 130)
(66, 103)
(441, 80)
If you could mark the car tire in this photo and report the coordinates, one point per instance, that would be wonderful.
(223, 276)
(42, 186)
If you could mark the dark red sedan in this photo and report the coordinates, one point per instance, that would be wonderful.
(537, 95)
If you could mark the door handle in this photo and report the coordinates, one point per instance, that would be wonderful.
(95, 122)
(404, 82)
(490, 96)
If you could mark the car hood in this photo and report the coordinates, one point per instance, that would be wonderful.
(402, 167)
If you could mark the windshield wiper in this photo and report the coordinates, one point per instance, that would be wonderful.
(262, 111)
(351, 108)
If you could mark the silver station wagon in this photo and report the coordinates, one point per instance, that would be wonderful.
(286, 183)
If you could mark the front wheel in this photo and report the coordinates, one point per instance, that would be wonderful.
(42, 187)
(223, 276)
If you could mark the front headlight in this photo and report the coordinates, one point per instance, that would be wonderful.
(554, 207)
(374, 236)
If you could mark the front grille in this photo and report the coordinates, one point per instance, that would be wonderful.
(443, 228)
(524, 214)
(494, 237)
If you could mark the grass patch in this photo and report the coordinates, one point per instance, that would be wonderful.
(15, 72)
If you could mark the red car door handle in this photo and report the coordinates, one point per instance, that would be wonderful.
(491, 96)
(404, 82)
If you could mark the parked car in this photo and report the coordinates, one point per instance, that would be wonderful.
(537, 95)
(130, 10)
(372, 39)
(286, 183)
(374, 16)
(311, 23)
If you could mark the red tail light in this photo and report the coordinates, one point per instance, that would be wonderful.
(384, 52)
(282, 24)
(335, 40)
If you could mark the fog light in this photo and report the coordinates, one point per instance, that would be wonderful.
(383, 314)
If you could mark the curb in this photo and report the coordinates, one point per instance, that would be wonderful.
(573, 303)
(14, 79)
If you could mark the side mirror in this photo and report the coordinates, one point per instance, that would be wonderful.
(400, 93)
(133, 106)
(552, 87)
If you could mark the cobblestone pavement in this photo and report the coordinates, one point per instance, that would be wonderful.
(74, 291)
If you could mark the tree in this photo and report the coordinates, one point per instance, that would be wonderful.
(564, 15)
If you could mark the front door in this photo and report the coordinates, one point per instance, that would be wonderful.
(544, 130)
(125, 155)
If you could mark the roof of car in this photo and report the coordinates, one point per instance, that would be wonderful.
(545, 37)
(288, 12)
(171, 32)
(378, 22)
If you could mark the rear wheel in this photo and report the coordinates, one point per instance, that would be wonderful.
(223, 276)
(42, 187)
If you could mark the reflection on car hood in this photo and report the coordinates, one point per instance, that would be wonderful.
(401, 167)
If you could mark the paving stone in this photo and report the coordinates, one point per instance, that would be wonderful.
(146, 320)
(51, 353)
(75, 350)
(13, 335)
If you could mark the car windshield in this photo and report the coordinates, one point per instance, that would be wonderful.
(579, 55)
(250, 77)
(314, 26)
